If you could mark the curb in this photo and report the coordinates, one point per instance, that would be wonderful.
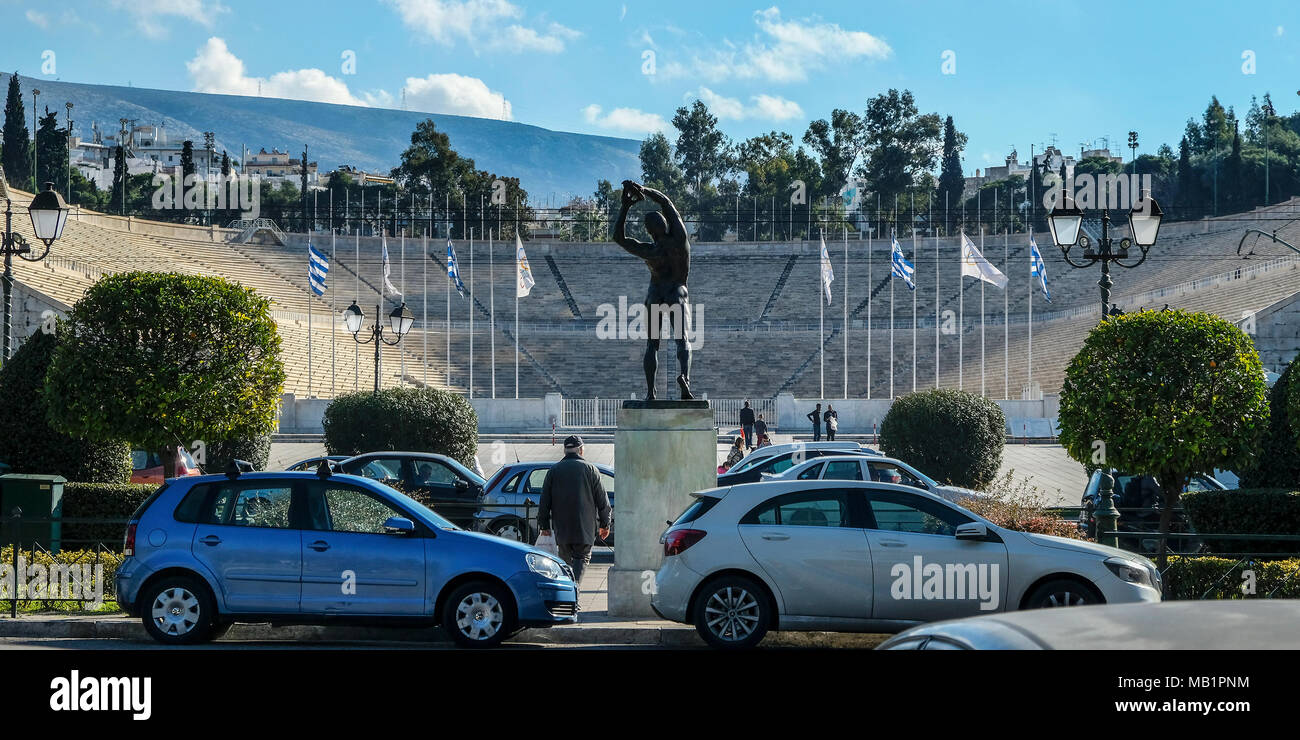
(610, 634)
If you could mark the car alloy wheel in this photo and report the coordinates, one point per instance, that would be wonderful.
(509, 531)
(1064, 598)
(479, 616)
(732, 613)
(176, 611)
(1062, 592)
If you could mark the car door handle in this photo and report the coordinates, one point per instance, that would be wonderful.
(210, 540)
(893, 543)
(319, 546)
(775, 536)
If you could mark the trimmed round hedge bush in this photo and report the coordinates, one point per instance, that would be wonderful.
(116, 501)
(952, 436)
(1277, 461)
(416, 419)
(255, 450)
(28, 444)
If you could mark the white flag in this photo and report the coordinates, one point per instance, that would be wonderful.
(974, 265)
(388, 268)
(828, 275)
(523, 273)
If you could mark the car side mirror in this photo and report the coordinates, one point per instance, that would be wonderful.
(399, 525)
(972, 531)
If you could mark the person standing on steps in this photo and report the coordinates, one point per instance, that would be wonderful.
(815, 416)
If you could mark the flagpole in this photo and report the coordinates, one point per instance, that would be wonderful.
(356, 348)
(1029, 367)
(424, 302)
(821, 322)
(929, 214)
(447, 329)
(982, 390)
(401, 277)
(845, 278)
(912, 218)
(333, 308)
(961, 317)
(309, 302)
(471, 311)
(492, 313)
(870, 288)
(1006, 314)
(519, 242)
(894, 235)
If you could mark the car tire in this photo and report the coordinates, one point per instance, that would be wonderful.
(509, 529)
(178, 610)
(732, 613)
(1062, 592)
(479, 614)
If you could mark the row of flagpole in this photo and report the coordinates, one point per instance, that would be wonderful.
(318, 266)
(973, 264)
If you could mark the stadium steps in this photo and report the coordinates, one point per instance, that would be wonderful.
(564, 287)
(780, 286)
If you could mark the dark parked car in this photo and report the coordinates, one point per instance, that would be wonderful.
(752, 472)
(1141, 492)
(504, 512)
(437, 481)
(311, 463)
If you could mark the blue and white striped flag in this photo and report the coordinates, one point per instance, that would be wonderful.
(901, 267)
(453, 272)
(318, 267)
(1036, 267)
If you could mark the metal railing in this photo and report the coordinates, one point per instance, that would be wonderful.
(591, 413)
(24, 558)
(726, 411)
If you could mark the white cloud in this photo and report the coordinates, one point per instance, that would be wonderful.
(766, 107)
(458, 94)
(483, 24)
(214, 69)
(40, 20)
(150, 15)
(782, 51)
(627, 120)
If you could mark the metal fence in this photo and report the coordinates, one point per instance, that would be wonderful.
(726, 411)
(80, 570)
(595, 413)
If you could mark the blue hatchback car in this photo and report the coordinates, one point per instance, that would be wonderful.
(307, 548)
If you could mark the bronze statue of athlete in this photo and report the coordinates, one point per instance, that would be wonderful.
(669, 260)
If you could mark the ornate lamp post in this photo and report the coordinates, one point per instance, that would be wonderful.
(1066, 221)
(399, 323)
(49, 214)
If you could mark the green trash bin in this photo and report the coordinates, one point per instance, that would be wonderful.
(41, 499)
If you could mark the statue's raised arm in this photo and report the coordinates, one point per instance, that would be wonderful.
(676, 226)
(631, 196)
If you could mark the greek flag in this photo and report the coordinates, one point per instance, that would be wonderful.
(901, 267)
(1036, 267)
(318, 268)
(453, 272)
(828, 275)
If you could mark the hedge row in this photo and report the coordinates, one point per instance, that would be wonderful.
(1245, 511)
(1223, 578)
(954, 436)
(100, 501)
(110, 560)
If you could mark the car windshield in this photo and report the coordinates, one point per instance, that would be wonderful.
(430, 515)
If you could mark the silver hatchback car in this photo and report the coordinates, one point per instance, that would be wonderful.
(857, 556)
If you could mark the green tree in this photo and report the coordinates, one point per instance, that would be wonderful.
(27, 441)
(52, 151)
(951, 179)
(1164, 393)
(659, 167)
(1277, 463)
(837, 144)
(703, 152)
(117, 198)
(901, 144)
(162, 359)
(15, 151)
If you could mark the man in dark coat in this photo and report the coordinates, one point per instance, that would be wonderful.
(815, 416)
(747, 425)
(575, 505)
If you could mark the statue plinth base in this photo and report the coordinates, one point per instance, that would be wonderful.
(663, 451)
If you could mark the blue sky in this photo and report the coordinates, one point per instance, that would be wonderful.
(1024, 71)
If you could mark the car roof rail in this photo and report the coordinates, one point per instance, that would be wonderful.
(326, 468)
(236, 467)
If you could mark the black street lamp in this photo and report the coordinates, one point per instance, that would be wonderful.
(49, 214)
(1066, 221)
(399, 323)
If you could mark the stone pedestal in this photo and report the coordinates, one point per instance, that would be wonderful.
(663, 451)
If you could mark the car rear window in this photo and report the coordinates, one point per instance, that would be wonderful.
(696, 510)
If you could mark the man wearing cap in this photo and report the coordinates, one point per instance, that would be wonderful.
(575, 504)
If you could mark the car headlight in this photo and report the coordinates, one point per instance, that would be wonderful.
(544, 565)
(1129, 571)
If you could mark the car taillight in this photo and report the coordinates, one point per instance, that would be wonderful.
(128, 545)
(676, 542)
